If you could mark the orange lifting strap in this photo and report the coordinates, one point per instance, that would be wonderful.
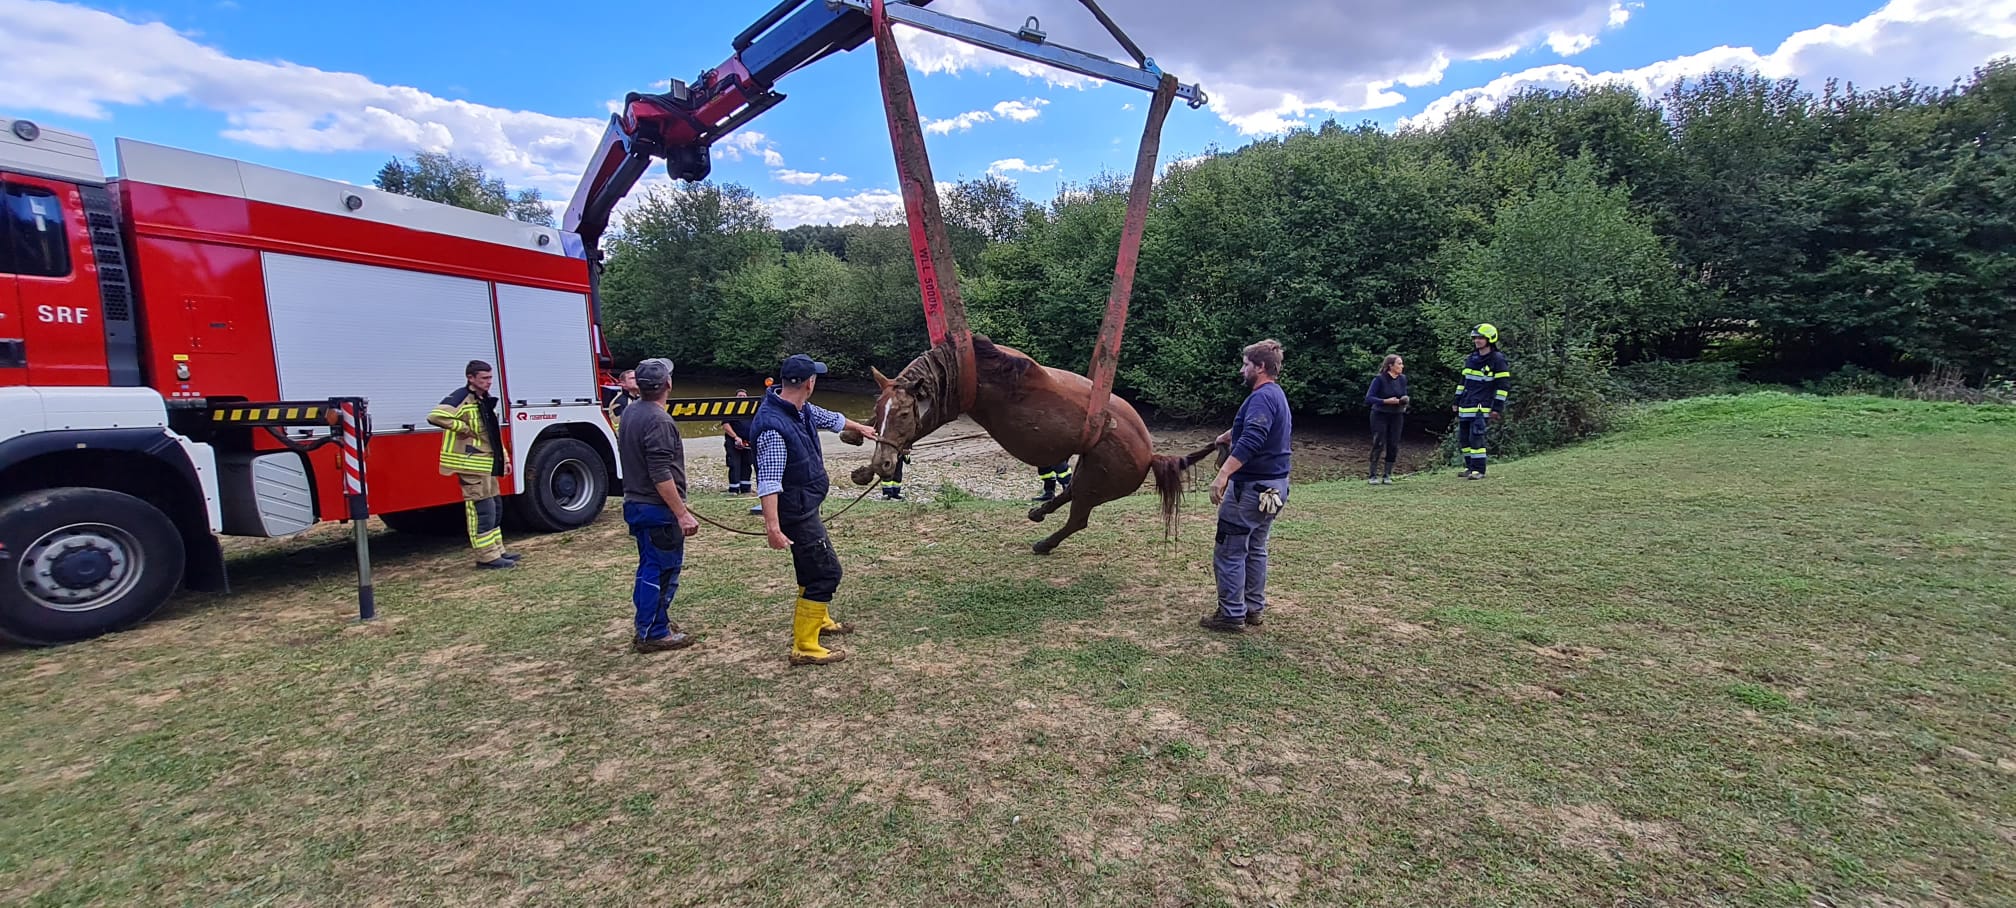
(937, 277)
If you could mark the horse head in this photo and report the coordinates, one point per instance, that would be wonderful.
(902, 415)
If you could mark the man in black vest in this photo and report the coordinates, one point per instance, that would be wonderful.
(791, 479)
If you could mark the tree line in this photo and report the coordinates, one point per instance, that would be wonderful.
(1735, 226)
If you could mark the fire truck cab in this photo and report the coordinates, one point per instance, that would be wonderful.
(149, 321)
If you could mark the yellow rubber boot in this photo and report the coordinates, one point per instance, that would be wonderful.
(805, 624)
(827, 625)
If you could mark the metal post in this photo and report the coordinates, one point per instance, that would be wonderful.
(354, 416)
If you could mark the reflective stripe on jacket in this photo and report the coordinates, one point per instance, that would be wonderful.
(1487, 381)
(472, 441)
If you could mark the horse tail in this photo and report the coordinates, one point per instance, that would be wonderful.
(1169, 472)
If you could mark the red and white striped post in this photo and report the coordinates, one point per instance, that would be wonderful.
(352, 441)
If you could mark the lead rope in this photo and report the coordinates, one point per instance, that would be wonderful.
(850, 505)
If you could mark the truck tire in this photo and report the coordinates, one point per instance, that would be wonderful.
(565, 486)
(83, 562)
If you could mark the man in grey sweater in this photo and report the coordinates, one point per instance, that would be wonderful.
(654, 505)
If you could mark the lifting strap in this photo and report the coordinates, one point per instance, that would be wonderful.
(937, 274)
(1106, 350)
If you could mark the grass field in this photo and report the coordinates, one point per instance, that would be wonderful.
(1750, 651)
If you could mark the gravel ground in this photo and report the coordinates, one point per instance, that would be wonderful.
(978, 466)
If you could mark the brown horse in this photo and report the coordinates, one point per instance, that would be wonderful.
(1036, 414)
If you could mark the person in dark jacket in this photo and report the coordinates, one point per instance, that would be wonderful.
(1250, 490)
(740, 452)
(1480, 400)
(1388, 399)
(792, 482)
(625, 396)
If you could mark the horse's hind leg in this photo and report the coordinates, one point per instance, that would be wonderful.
(1081, 514)
(1043, 510)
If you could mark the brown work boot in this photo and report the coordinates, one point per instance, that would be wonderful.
(1219, 621)
(675, 640)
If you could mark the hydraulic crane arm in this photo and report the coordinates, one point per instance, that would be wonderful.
(680, 124)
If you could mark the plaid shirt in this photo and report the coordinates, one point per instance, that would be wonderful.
(771, 456)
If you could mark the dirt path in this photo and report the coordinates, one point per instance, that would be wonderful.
(978, 466)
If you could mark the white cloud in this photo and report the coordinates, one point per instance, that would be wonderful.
(1021, 111)
(804, 178)
(1295, 59)
(1018, 111)
(739, 143)
(1567, 44)
(1580, 35)
(1925, 40)
(1006, 166)
(83, 62)
(960, 123)
(787, 211)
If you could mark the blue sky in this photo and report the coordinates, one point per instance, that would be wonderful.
(336, 91)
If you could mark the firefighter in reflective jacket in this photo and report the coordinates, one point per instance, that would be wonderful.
(472, 450)
(1480, 401)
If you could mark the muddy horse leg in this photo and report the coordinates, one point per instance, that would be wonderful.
(1043, 510)
(1081, 514)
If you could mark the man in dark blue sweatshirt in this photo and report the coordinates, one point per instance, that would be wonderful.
(1250, 490)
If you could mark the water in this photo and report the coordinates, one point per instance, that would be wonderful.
(848, 401)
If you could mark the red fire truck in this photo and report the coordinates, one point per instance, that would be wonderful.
(171, 338)
(150, 324)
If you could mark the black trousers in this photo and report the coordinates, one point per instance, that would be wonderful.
(741, 464)
(813, 560)
(1386, 436)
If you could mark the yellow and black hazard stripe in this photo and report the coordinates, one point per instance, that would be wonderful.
(283, 413)
(694, 409)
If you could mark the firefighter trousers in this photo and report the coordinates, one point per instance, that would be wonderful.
(1476, 450)
(484, 511)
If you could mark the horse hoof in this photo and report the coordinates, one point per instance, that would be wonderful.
(1036, 515)
(1041, 549)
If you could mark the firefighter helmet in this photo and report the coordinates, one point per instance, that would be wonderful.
(1487, 332)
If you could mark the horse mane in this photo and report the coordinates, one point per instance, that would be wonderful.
(935, 375)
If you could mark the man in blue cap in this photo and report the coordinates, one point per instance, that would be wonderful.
(792, 482)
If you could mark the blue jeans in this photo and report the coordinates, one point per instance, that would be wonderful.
(1240, 555)
(661, 552)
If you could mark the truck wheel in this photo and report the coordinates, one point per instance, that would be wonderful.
(78, 563)
(565, 485)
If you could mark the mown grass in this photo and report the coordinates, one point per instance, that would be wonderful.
(1750, 651)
